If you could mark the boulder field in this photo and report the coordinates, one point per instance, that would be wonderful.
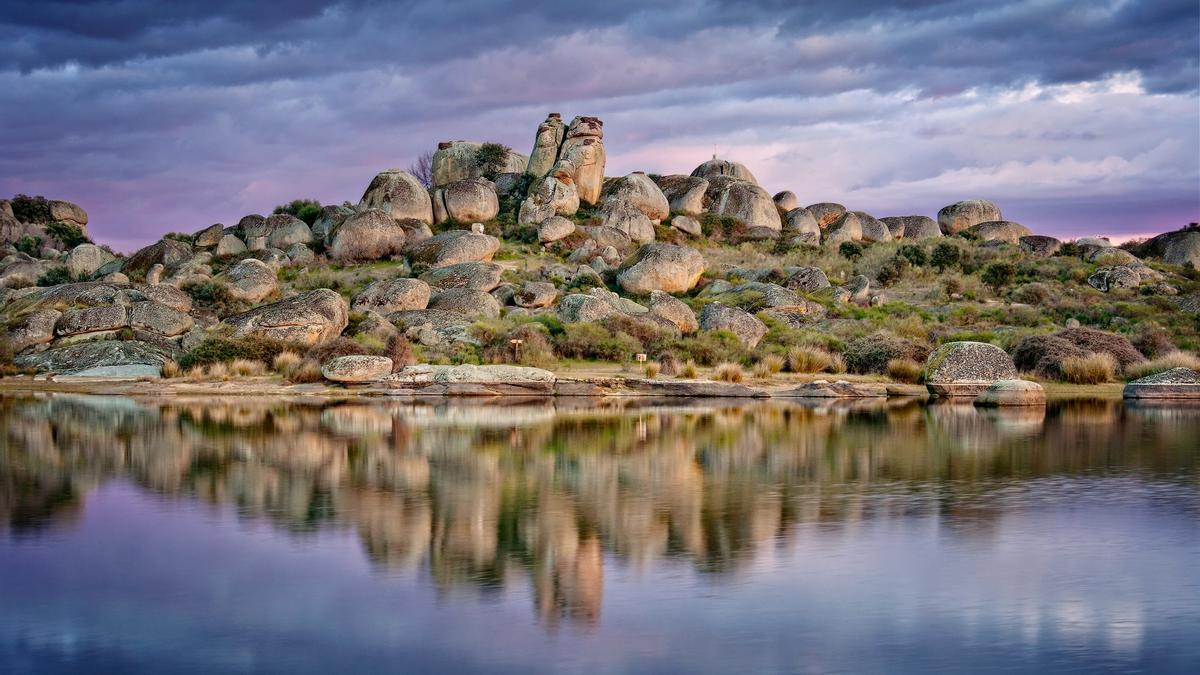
(495, 256)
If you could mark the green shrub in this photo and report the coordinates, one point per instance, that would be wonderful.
(215, 297)
(592, 341)
(225, 349)
(711, 347)
(945, 256)
(891, 271)
(850, 250)
(998, 275)
(871, 353)
(915, 255)
(29, 245)
(307, 210)
(55, 276)
(31, 209)
(339, 346)
(70, 234)
(491, 159)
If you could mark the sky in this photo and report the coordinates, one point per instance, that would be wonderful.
(1078, 117)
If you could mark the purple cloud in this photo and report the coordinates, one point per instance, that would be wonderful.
(1079, 118)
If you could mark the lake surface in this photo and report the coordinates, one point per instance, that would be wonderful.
(269, 536)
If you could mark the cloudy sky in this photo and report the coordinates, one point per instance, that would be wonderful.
(1076, 116)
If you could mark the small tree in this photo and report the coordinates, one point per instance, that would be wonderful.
(998, 275)
(850, 250)
(307, 210)
(945, 255)
(422, 169)
(491, 159)
(913, 254)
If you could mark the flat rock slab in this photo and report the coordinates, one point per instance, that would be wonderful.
(1176, 383)
(1012, 393)
(957, 389)
(693, 388)
(839, 389)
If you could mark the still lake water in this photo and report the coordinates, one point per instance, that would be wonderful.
(272, 536)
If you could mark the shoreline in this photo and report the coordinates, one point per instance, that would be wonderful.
(565, 387)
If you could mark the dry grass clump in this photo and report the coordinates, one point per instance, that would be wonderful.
(306, 371)
(688, 371)
(1094, 368)
(1165, 362)
(216, 371)
(171, 370)
(247, 368)
(651, 369)
(837, 364)
(805, 359)
(905, 370)
(771, 363)
(729, 372)
(286, 362)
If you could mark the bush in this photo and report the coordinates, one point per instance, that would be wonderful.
(491, 159)
(689, 371)
(905, 370)
(308, 371)
(998, 275)
(247, 368)
(729, 372)
(591, 341)
(339, 346)
(850, 250)
(1092, 340)
(891, 271)
(872, 353)
(651, 369)
(400, 351)
(29, 245)
(54, 276)
(1153, 341)
(804, 359)
(1096, 368)
(307, 210)
(945, 255)
(286, 362)
(711, 347)
(223, 350)
(915, 255)
(70, 234)
(1044, 354)
(1165, 362)
(171, 370)
(31, 209)
(215, 297)
(535, 350)
(1035, 293)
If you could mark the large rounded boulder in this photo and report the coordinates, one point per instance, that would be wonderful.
(400, 195)
(641, 193)
(746, 202)
(366, 236)
(999, 230)
(912, 228)
(967, 368)
(723, 167)
(661, 267)
(826, 213)
(747, 327)
(252, 280)
(962, 215)
(307, 319)
(685, 194)
(467, 201)
(393, 295)
(453, 247)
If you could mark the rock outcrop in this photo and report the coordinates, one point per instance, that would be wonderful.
(747, 327)
(962, 215)
(638, 191)
(357, 369)
(392, 295)
(661, 267)
(399, 195)
(466, 201)
(455, 161)
(967, 368)
(370, 234)
(1005, 393)
(453, 247)
(999, 230)
(1176, 383)
(307, 319)
(723, 167)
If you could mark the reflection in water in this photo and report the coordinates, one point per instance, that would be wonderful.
(481, 498)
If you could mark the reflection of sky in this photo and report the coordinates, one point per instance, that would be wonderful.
(1091, 574)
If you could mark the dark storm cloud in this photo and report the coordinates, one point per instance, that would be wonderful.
(167, 115)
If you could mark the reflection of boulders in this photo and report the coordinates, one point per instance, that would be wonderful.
(473, 494)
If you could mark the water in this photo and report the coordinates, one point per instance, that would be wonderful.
(267, 536)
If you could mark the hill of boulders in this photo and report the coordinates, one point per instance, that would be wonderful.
(500, 257)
